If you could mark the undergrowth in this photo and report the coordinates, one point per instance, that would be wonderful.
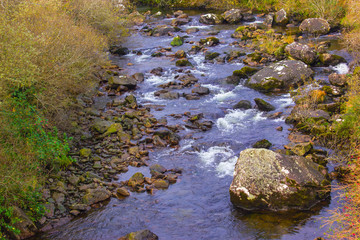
(49, 51)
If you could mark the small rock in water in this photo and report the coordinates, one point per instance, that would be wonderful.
(264, 143)
(263, 105)
(140, 235)
(243, 104)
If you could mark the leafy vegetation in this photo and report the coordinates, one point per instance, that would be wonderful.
(48, 53)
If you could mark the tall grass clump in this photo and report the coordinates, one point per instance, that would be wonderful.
(49, 53)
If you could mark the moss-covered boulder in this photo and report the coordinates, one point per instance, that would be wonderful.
(245, 72)
(265, 180)
(85, 152)
(243, 104)
(280, 76)
(315, 26)
(301, 52)
(183, 63)
(136, 180)
(263, 105)
(264, 143)
(211, 55)
(100, 125)
(177, 41)
(210, 41)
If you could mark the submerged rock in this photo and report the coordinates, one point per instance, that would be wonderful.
(315, 26)
(282, 76)
(265, 180)
(140, 235)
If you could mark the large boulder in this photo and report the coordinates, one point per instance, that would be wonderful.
(315, 26)
(265, 180)
(301, 52)
(280, 76)
(210, 19)
(233, 16)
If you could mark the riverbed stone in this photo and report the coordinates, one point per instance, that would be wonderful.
(162, 30)
(338, 80)
(243, 104)
(177, 41)
(100, 125)
(210, 19)
(300, 149)
(211, 55)
(269, 20)
(122, 192)
(183, 63)
(136, 180)
(328, 59)
(192, 30)
(140, 235)
(123, 80)
(96, 195)
(245, 72)
(263, 105)
(85, 152)
(265, 180)
(139, 77)
(317, 26)
(161, 184)
(201, 90)
(281, 18)
(301, 52)
(264, 143)
(180, 54)
(280, 76)
(233, 16)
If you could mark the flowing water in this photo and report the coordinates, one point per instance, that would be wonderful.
(198, 205)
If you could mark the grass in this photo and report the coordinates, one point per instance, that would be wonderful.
(49, 50)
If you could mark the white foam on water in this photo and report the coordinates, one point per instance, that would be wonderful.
(341, 68)
(197, 26)
(150, 97)
(187, 145)
(238, 119)
(212, 87)
(222, 158)
(214, 154)
(199, 60)
(227, 168)
(285, 101)
(156, 80)
(223, 96)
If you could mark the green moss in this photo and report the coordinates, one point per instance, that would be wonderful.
(214, 40)
(267, 84)
(211, 55)
(327, 89)
(183, 63)
(177, 41)
(245, 72)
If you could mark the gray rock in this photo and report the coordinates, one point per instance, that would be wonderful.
(233, 16)
(127, 81)
(281, 18)
(338, 80)
(139, 77)
(301, 52)
(243, 104)
(162, 30)
(263, 105)
(281, 75)
(96, 195)
(192, 30)
(210, 19)
(201, 91)
(328, 59)
(180, 21)
(265, 180)
(269, 19)
(101, 126)
(315, 26)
